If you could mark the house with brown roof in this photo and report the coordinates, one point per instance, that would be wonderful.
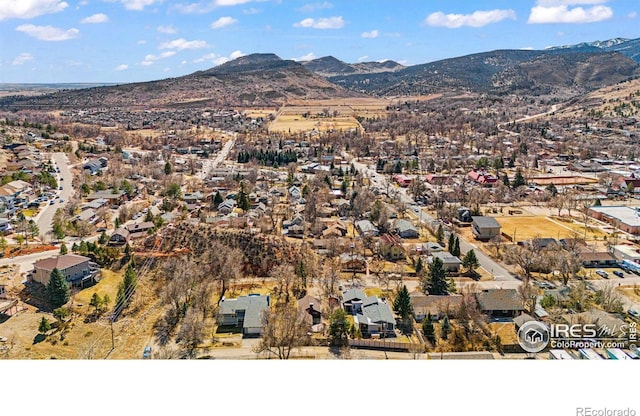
(597, 259)
(500, 303)
(140, 230)
(311, 306)
(76, 269)
(436, 305)
(120, 237)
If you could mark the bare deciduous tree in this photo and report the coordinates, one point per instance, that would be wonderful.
(284, 330)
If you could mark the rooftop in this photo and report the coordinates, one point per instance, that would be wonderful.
(623, 214)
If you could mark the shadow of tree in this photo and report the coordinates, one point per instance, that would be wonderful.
(39, 338)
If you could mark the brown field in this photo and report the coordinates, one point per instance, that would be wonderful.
(259, 112)
(341, 114)
(528, 227)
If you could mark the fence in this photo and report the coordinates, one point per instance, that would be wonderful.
(385, 345)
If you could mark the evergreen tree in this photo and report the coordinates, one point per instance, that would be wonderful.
(419, 266)
(456, 247)
(44, 326)
(117, 222)
(338, 329)
(470, 262)
(243, 199)
(551, 188)
(445, 327)
(437, 277)
(103, 239)
(58, 289)
(519, 180)
(428, 329)
(402, 306)
(505, 180)
(167, 168)
(452, 242)
(217, 199)
(440, 234)
(95, 301)
(63, 249)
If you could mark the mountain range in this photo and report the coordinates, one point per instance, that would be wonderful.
(267, 80)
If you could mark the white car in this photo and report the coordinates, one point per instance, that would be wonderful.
(633, 313)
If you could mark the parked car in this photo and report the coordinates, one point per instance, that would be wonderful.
(147, 353)
(633, 313)
(602, 274)
(618, 273)
(52, 202)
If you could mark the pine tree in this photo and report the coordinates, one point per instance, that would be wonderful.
(58, 289)
(243, 198)
(470, 262)
(95, 301)
(428, 329)
(338, 329)
(63, 249)
(519, 180)
(505, 181)
(217, 199)
(44, 326)
(402, 306)
(445, 327)
(456, 247)
(167, 168)
(452, 242)
(438, 278)
(419, 266)
(440, 234)
(551, 188)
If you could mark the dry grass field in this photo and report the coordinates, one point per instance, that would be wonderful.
(528, 227)
(326, 115)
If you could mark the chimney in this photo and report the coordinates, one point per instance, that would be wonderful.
(311, 305)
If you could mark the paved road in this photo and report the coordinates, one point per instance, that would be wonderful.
(208, 165)
(498, 271)
(44, 219)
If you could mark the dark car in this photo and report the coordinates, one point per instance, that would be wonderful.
(618, 273)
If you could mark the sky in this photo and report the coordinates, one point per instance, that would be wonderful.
(120, 41)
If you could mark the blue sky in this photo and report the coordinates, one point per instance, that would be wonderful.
(140, 40)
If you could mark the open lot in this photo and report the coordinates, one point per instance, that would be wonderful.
(521, 228)
(327, 115)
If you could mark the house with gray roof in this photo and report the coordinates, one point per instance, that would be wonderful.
(450, 262)
(376, 318)
(484, 228)
(352, 300)
(366, 228)
(405, 229)
(244, 313)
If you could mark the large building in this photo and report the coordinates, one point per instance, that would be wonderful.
(76, 269)
(624, 218)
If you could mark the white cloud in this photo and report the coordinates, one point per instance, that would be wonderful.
(335, 22)
(181, 44)
(138, 4)
(231, 2)
(26, 9)
(563, 14)
(219, 59)
(141, 42)
(96, 18)
(236, 55)
(121, 67)
(22, 59)
(476, 19)
(48, 33)
(251, 10)
(371, 35)
(223, 22)
(551, 3)
(313, 7)
(632, 15)
(150, 59)
(170, 30)
(308, 57)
